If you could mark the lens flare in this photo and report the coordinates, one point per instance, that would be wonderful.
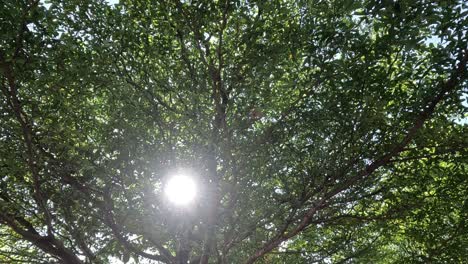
(180, 190)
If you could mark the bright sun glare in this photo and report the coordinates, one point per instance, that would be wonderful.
(180, 190)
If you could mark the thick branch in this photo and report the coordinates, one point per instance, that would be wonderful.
(46, 243)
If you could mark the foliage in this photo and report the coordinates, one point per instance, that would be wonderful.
(318, 131)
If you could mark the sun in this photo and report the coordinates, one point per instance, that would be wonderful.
(180, 190)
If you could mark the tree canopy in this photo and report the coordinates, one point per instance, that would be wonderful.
(316, 131)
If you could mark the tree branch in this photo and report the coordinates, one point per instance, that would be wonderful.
(458, 74)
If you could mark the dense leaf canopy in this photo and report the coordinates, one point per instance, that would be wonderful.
(317, 131)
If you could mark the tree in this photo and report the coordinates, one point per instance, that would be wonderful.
(318, 131)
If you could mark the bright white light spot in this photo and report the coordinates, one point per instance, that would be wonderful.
(180, 190)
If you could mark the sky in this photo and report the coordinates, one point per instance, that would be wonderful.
(47, 4)
(112, 2)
